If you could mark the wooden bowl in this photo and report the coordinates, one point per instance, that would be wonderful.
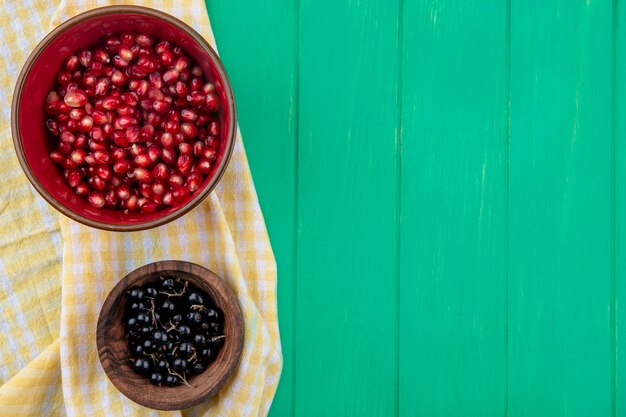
(113, 347)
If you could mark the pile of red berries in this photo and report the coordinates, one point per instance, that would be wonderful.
(135, 123)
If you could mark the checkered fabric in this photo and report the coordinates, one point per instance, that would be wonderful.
(55, 273)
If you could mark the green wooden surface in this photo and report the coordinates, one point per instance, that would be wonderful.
(453, 243)
(444, 183)
(560, 209)
(618, 315)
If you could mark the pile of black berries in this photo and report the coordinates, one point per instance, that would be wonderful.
(174, 330)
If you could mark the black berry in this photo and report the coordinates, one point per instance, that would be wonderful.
(156, 378)
(174, 331)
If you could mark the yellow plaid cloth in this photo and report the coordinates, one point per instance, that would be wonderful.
(55, 273)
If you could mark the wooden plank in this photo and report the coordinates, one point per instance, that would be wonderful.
(257, 44)
(453, 232)
(619, 133)
(346, 317)
(560, 209)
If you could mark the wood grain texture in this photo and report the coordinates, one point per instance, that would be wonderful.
(257, 42)
(113, 346)
(619, 132)
(453, 230)
(347, 192)
(505, 237)
(560, 209)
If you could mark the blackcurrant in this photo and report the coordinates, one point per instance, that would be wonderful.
(184, 331)
(185, 349)
(168, 306)
(215, 327)
(200, 340)
(194, 318)
(138, 350)
(197, 367)
(156, 378)
(159, 337)
(167, 284)
(148, 346)
(179, 365)
(143, 318)
(162, 365)
(205, 354)
(137, 293)
(171, 380)
(173, 329)
(137, 306)
(142, 365)
(195, 298)
(214, 314)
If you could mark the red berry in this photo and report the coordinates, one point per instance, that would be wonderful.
(193, 181)
(144, 40)
(121, 166)
(84, 57)
(102, 87)
(75, 98)
(160, 172)
(104, 172)
(123, 192)
(212, 103)
(71, 63)
(143, 175)
(96, 199)
(180, 193)
(175, 180)
(154, 153)
(184, 164)
(204, 166)
(146, 133)
(170, 76)
(97, 183)
(189, 130)
(78, 156)
(74, 177)
(111, 198)
(148, 207)
(134, 123)
(142, 160)
(111, 102)
(185, 148)
(56, 157)
(82, 189)
(102, 157)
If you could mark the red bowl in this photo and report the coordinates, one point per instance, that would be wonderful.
(33, 143)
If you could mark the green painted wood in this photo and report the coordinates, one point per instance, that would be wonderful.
(560, 209)
(619, 132)
(467, 271)
(257, 44)
(347, 191)
(453, 227)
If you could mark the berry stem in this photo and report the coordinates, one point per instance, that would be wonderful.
(182, 378)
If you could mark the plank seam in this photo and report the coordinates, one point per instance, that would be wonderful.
(613, 295)
(398, 271)
(296, 183)
(506, 190)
